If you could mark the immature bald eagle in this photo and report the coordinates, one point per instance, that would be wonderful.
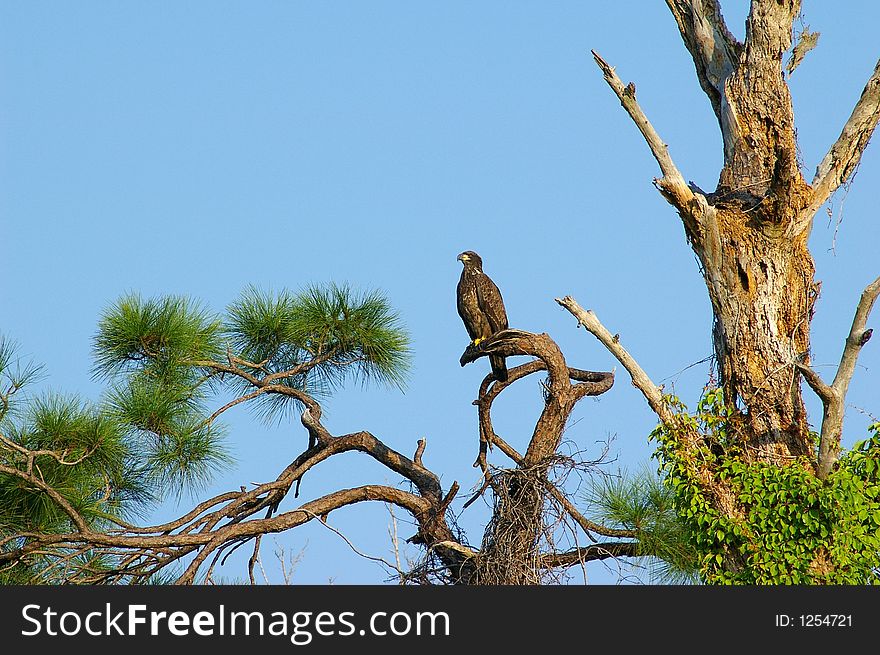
(481, 307)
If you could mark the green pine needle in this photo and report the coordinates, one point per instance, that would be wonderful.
(338, 333)
(15, 374)
(187, 458)
(642, 503)
(155, 336)
(150, 405)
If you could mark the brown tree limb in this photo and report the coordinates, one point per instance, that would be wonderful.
(595, 381)
(843, 157)
(425, 481)
(318, 508)
(561, 395)
(596, 386)
(207, 542)
(825, 392)
(511, 342)
(420, 449)
(311, 420)
(590, 553)
(232, 403)
(218, 523)
(183, 520)
(590, 383)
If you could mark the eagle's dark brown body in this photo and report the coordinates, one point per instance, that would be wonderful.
(481, 307)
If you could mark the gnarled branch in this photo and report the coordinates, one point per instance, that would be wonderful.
(560, 396)
(227, 520)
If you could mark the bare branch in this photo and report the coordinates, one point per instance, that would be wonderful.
(832, 419)
(311, 420)
(595, 382)
(591, 383)
(672, 185)
(858, 337)
(513, 342)
(825, 393)
(254, 558)
(489, 390)
(844, 156)
(420, 449)
(640, 379)
(186, 518)
(560, 397)
(230, 405)
(224, 521)
(594, 387)
(833, 396)
(381, 560)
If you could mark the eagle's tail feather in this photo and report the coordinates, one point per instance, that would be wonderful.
(499, 367)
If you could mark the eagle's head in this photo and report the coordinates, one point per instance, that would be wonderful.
(470, 258)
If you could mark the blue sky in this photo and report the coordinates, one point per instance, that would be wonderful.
(200, 147)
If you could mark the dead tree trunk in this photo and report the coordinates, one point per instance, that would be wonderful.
(760, 276)
(750, 234)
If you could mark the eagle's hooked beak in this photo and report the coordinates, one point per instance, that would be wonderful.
(462, 257)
